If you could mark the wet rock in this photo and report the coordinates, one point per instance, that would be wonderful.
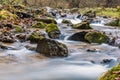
(90, 14)
(90, 37)
(52, 48)
(82, 25)
(3, 47)
(39, 25)
(7, 37)
(80, 36)
(21, 37)
(105, 61)
(114, 22)
(63, 15)
(19, 6)
(66, 21)
(92, 50)
(96, 37)
(24, 15)
(6, 47)
(35, 36)
(30, 47)
(53, 31)
(46, 20)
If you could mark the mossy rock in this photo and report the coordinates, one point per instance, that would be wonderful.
(46, 20)
(66, 21)
(51, 27)
(40, 25)
(119, 24)
(111, 74)
(35, 37)
(82, 25)
(53, 31)
(52, 48)
(96, 37)
(18, 28)
(114, 22)
(4, 14)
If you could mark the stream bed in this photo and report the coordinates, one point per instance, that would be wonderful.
(23, 64)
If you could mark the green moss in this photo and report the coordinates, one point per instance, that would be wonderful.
(7, 15)
(82, 25)
(35, 37)
(96, 37)
(51, 27)
(111, 75)
(39, 25)
(18, 28)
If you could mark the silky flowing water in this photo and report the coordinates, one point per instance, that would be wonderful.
(23, 64)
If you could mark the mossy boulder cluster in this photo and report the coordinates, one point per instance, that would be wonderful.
(90, 37)
(52, 30)
(82, 25)
(112, 74)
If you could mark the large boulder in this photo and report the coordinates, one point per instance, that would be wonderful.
(46, 20)
(52, 48)
(53, 31)
(82, 25)
(90, 37)
(96, 37)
